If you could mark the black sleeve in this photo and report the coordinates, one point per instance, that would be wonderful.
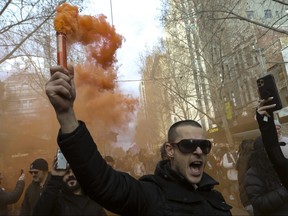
(10, 197)
(48, 204)
(262, 199)
(116, 191)
(272, 146)
(25, 207)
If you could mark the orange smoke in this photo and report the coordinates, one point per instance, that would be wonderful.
(99, 101)
(94, 31)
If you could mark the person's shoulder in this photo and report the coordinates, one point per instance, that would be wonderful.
(149, 178)
(157, 181)
(32, 185)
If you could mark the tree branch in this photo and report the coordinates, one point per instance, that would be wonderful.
(4, 8)
(24, 39)
(280, 2)
(237, 16)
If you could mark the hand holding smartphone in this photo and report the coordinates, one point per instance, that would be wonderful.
(267, 88)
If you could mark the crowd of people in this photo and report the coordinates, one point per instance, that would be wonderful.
(190, 176)
(238, 170)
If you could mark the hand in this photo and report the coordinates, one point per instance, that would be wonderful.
(22, 177)
(264, 109)
(60, 89)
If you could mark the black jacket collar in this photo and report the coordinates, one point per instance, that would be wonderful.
(164, 170)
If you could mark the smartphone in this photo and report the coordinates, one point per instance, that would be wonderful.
(61, 162)
(267, 88)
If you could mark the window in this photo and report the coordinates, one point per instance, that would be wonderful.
(221, 76)
(281, 76)
(26, 104)
(250, 14)
(233, 99)
(267, 14)
(248, 56)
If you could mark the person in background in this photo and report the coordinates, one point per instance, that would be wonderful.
(178, 187)
(263, 187)
(138, 167)
(110, 160)
(211, 165)
(270, 136)
(64, 196)
(229, 163)
(40, 175)
(245, 151)
(283, 140)
(10, 197)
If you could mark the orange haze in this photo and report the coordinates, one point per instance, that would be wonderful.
(99, 101)
(92, 31)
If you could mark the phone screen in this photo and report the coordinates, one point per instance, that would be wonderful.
(61, 162)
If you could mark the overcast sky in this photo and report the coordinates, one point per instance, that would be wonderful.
(138, 22)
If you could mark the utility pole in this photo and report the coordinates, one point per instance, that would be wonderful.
(111, 12)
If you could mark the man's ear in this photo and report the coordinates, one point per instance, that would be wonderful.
(169, 150)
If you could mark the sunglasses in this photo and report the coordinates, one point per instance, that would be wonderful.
(190, 145)
(34, 172)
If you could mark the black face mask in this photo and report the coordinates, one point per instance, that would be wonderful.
(68, 188)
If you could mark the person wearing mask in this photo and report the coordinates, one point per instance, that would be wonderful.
(229, 163)
(40, 175)
(178, 187)
(10, 197)
(64, 196)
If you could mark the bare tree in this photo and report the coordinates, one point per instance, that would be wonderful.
(211, 59)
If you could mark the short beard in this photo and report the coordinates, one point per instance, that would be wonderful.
(68, 188)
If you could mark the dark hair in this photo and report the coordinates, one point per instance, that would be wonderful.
(172, 134)
(245, 150)
(261, 162)
(246, 147)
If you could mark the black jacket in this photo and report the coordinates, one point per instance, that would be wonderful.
(272, 146)
(164, 193)
(32, 194)
(10, 197)
(267, 197)
(55, 202)
(242, 167)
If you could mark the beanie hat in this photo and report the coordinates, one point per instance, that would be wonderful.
(39, 164)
